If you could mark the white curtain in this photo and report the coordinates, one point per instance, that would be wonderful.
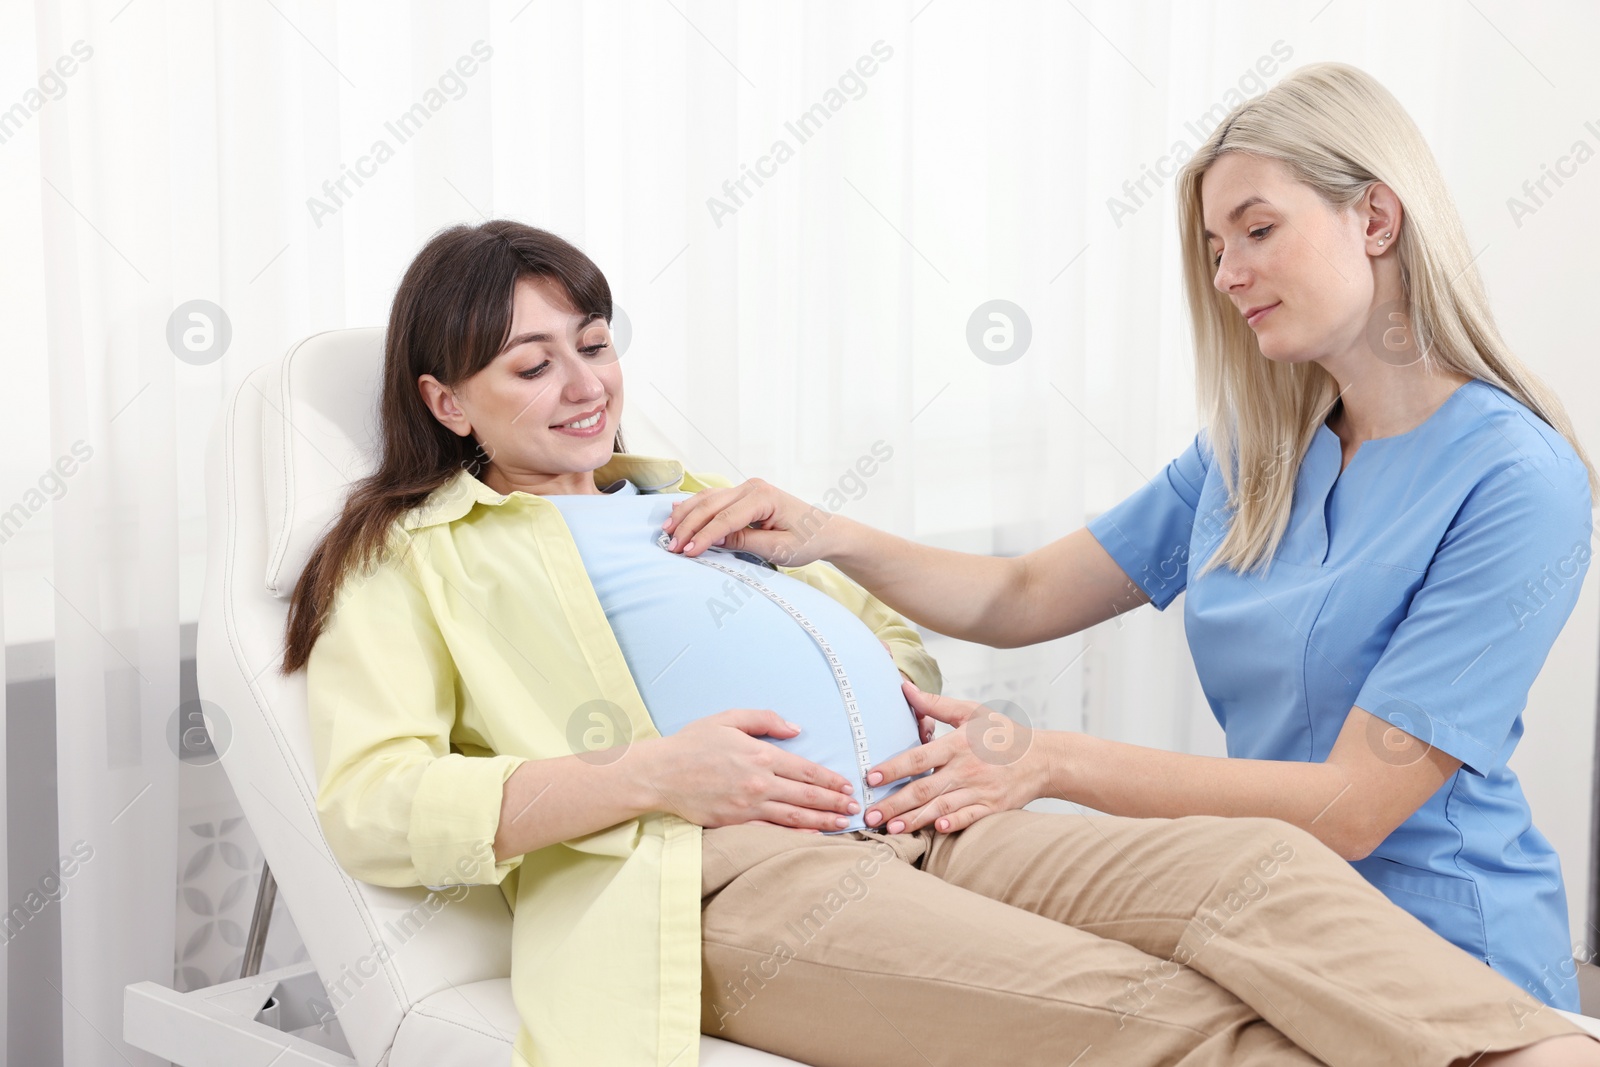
(805, 211)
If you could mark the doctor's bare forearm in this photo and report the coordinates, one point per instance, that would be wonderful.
(963, 595)
(1143, 783)
(1066, 586)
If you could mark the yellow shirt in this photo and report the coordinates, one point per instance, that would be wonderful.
(442, 668)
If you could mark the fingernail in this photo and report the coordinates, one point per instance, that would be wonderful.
(875, 777)
(688, 547)
(791, 725)
(853, 807)
(672, 544)
(874, 817)
(841, 821)
(896, 826)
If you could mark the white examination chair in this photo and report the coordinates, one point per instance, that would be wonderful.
(420, 990)
(284, 448)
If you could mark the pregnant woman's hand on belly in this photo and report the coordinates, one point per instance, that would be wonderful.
(717, 772)
(791, 531)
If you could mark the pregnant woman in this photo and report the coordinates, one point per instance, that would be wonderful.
(1382, 528)
(661, 761)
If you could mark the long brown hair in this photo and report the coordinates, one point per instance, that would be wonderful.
(450, 318)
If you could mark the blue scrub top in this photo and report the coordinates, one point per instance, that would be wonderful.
(1424, 584)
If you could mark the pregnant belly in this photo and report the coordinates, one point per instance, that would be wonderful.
(742, 650)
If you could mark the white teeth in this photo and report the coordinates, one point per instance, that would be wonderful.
(584, 424)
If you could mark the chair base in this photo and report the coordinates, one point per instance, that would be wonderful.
(248, 1020)
(254, 1019)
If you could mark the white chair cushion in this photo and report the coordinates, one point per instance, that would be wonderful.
(319, 433)
(1590, 1024)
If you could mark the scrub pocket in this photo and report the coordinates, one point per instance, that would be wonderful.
(1443, 902)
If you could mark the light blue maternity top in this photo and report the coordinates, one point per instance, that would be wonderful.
(697, 641)
(1424, 584)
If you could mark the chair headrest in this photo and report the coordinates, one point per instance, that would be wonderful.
(319, 433)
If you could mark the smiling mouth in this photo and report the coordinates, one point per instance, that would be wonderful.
(587, 422)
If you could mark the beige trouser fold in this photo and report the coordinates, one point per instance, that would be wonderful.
(1033, 938)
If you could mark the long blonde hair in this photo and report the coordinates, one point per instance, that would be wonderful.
(1338, 131)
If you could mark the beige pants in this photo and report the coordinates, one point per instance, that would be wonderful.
(1034, 938)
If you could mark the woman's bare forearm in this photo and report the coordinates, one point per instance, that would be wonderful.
(1146, 783)
(1005, 602)
(963, 595)
(550, 800)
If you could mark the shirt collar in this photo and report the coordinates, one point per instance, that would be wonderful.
(456, 497)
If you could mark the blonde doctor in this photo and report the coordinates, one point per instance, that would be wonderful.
(1382, 528)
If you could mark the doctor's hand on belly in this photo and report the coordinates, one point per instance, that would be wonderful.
(753, 516)
(717, 772)
(988, 763)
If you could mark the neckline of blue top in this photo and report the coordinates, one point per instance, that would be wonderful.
(1324, 429)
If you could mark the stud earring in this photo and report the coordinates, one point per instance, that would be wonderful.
(1382, 239)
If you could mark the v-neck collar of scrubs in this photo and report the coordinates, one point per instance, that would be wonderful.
(1323, 468)
(1326, 431)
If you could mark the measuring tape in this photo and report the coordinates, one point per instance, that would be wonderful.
(858, 729)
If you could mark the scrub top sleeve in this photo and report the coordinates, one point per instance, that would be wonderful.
(1457, 670)
(1148, 534)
